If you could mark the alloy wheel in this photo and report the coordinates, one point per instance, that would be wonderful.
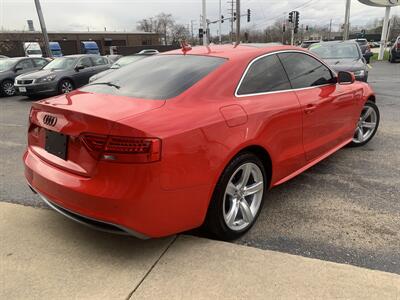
(66, 87)
(243, 196)
(366, 125)
(8, 88)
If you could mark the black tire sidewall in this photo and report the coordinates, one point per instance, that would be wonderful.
(215, 222)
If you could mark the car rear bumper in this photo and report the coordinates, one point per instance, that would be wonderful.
(129, 199)
(48, 88)
(93, 223)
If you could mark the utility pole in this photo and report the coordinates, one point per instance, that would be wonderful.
(346, 31)
(292, 39)
(192, 29)
(237, 22)
(43, 27)
(231, 12)
(204, 21)
(220, 22)
(283, 28)
(330, 30)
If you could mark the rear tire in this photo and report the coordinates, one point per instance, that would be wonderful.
(367, 125)
(238, 198)
(7, 88)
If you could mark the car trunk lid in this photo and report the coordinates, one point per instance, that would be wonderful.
(58, 124)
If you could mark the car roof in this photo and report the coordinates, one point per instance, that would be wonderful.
(18, 58)
(82, 55)
(338, 42)
(235, 52)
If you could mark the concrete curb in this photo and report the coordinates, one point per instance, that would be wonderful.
(45, 256)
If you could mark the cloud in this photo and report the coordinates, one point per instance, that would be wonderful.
(121, 15)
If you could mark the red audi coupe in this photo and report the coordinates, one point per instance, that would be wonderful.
(191, 138)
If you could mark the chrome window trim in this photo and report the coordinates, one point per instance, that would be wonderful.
(280, 91)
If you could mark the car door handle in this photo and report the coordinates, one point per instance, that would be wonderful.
(310, 108)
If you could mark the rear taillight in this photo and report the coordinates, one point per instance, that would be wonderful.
(123, 149)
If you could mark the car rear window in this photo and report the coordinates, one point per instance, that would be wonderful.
(157, 77)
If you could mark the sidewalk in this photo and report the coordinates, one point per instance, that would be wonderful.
(45, 256)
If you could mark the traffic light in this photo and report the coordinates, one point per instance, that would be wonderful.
(248, 15)
(291, 17)
(234, 16)
(201, 33)
(296, 21)
(307, 28)
(222, 19)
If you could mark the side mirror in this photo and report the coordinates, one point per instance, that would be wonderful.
(346, 77)
(17, 69)
(79, 67)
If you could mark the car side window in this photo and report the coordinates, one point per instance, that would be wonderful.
(305, 71)
(264, 75)
(39, 62)
(25, 64)
(85, 61)
(99, 61)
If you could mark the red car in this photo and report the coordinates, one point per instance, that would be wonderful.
(185, 139)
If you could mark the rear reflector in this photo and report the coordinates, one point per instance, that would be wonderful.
(123, 149)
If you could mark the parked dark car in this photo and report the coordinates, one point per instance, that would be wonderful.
(307, 44)
(365, 49)
(122, 62)
(12, 67)
(394, 53)
(61, 75)
(343, 56)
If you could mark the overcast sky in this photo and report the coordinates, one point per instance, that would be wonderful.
(119, 15)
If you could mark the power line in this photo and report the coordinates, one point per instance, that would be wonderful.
(304, 5)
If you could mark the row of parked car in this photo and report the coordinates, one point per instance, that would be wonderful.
(37, 76)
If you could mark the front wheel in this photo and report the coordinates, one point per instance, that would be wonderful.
(65, 86)
(238, 198)
(367, 125)
(7, 88)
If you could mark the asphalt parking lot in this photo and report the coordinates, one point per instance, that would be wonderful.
(346, 209)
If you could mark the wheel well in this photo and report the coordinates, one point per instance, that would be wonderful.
(265, 158)
(66, 78)
(372, 98)
(7, 79)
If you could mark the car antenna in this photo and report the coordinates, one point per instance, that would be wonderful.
(185, 46)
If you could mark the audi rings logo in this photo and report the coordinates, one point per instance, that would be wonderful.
(49, 120)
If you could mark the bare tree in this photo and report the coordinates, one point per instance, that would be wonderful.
(179, 32)
(162, 24)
